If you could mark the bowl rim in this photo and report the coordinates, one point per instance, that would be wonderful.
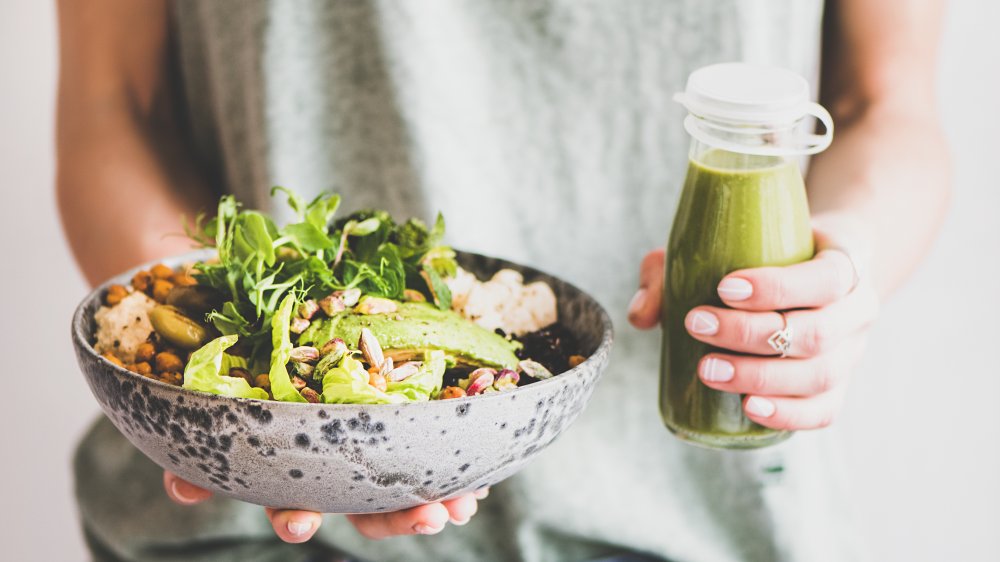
(82, 343)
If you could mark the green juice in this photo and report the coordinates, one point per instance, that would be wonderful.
(736, 211)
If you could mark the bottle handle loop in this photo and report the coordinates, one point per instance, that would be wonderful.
(805, 144)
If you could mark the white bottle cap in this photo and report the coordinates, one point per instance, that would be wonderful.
(747, 97)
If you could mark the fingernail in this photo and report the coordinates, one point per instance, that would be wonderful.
(176, 490)
(299, 528)
(735, 289)
(638, 302)
(716, 370)
(703, 323)
(424, 529)
(481, 493)
(760, 407)
(459, 522)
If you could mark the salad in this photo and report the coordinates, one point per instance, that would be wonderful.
(358, 309)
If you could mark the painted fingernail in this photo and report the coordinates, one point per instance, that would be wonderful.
(716, 370)
(175, 488)
(299, 528)
(735, 289)
(703, 323)
(424, 529)
(459, 522)
(760, 407)
(638, 302)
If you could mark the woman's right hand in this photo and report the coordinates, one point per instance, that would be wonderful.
(297, 526)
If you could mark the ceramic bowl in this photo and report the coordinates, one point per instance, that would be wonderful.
(345, 458)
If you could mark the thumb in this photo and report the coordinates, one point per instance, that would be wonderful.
(644, 310)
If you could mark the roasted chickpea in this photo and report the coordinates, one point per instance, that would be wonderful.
(575, 360)
(377, 380)
(161, 288)
(241, 374)
(143, 368)
(451, 392)
(142, 280)
(145, 352)
(115, 294)
(173, 378)
(113, 358)
(161, 271)
(262, 381)
(166, 362)
(183, 280)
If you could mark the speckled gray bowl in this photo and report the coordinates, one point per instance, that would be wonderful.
(339, 458)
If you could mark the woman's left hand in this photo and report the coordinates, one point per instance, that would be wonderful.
(828, 308)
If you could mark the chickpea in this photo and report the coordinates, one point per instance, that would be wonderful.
(161, 288)
(262, 381)
(173, 378)
(142, 280)
(145, 352)
(143, 368)
(451, 392)
(167, 362)
(377, 380)
(575, 360)
(113, 358)
(241, 373)
(161, 271)
(183, 280)
(115, 294)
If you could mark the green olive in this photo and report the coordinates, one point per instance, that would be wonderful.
(176, 328)
(196, 300)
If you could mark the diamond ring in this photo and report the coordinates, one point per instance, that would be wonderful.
(781, 340)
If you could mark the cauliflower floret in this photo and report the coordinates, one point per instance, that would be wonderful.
(125, 326)
(503, 302)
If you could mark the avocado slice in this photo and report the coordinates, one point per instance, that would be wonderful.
(415, 327)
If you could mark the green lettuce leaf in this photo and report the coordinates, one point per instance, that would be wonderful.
(281, 382)
(425, 383)
(348, 384)
(206, 370)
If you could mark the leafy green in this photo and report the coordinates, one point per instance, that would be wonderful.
(206, 371)
(281, 382)
(348, 384)
(265, 271)
(425, 382)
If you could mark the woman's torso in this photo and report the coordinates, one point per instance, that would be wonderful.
(545, 133)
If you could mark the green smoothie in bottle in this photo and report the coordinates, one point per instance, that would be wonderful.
(743, 205)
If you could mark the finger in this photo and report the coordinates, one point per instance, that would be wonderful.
(182, 491)
(813, 331)
(461, 509)
(293, 525)
(770, 376)
(426, 519)
(818, 282)
(745, 374)
(482, 493)
(792, 414)
(644, 310)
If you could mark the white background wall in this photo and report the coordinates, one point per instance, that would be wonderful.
(922, 431)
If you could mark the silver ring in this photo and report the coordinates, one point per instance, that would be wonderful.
(854, 266)
(781, 340)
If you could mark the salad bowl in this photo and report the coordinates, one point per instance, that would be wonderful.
(348, 458)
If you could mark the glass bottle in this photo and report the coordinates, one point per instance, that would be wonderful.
(743, 205)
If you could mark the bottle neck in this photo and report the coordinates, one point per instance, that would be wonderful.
(711, 156)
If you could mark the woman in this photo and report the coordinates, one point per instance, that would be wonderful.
(545, 134)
